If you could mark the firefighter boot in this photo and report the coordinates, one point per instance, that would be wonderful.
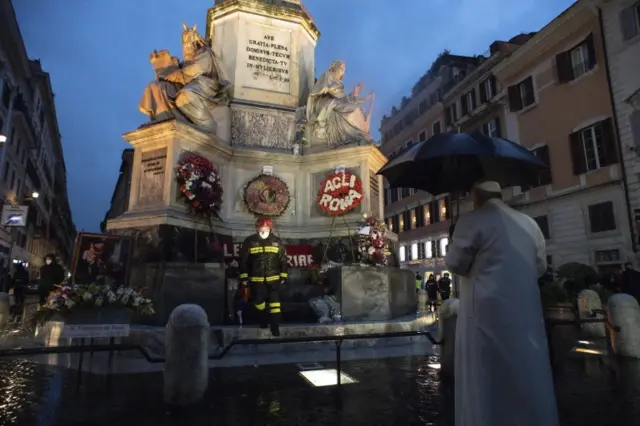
(264, 319)
(275, 329)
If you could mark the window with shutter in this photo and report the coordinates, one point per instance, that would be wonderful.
(564, 67)
(464, 106)
(601, 217)
(527, 95)
(594, 147)
(491, 128)
(487, 89)
(543, 223)
(427, 214)
(445, 209)
(630, 21)
(396, 223)
(422, 136)
(545, 176)
(515, 103)
(436, 127)
(433, 211)
(582, 58)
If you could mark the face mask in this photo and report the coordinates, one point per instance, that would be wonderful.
(48, 261)
(264, 234)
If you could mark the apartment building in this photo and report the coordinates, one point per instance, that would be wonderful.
(420, 220)
(32, 169)
(559, 106)
(621, 27)
(457, 94)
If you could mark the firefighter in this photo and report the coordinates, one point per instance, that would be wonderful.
(263, 267)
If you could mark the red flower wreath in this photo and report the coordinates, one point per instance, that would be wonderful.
(200, 185)
(340, 193)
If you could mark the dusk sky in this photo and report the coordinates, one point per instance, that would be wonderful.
(97, 53)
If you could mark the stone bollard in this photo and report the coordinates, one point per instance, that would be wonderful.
(186, 368)
(588, 300)
(5, 309)
(624, 312)
(447, 331)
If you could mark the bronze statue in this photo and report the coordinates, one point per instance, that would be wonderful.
(189, 90)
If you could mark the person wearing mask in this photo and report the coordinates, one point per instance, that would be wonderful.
(18, 285)
(51, 275)
(263, 265)
(418, 282)
(432, 292)
(444, 285)
(500, 253)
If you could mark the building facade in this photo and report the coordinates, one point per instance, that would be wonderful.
(620, 20)
(420, 220)
(32, 169)
(457, 94)
(559, 106)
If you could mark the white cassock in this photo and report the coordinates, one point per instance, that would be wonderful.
(502, 369)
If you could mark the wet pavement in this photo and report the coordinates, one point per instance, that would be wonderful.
(393, 391)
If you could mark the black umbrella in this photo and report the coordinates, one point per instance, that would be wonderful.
(453, 162)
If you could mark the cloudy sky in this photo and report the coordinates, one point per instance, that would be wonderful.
(97, 53)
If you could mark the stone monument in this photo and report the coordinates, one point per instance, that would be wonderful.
(245, 99)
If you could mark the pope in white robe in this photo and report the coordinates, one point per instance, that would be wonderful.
(502, 369)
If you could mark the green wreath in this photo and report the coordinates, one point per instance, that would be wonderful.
(267, 195)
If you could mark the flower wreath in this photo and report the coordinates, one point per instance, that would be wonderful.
(340, 193)
(267, 195)
(372, 245)
(200, 185)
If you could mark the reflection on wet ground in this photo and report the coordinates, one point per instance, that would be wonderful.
(394, 391)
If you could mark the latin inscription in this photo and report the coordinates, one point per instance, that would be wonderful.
(268, 59)
(153, 165)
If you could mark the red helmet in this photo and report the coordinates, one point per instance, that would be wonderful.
(264, 221)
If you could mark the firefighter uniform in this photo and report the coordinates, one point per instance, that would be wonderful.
(263, 265)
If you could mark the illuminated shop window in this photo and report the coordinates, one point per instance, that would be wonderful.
(401, 253)
(428, 250)
(443, 246)
(414, 251)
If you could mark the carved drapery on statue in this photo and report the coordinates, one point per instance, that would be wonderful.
(334, 117)
(190, 90)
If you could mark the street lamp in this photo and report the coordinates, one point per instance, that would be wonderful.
(35, 194)
(3, 138)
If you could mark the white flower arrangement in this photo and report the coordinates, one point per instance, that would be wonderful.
(70, 298)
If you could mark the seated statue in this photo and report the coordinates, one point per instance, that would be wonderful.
(332, 116)
(190, 90)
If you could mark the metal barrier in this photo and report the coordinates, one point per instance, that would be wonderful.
(111, 347)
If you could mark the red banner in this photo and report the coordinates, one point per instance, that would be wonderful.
(300, 255)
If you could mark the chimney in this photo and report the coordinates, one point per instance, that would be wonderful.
(497, 46)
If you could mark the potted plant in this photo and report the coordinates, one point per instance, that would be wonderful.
(556, 300)
(92, 304)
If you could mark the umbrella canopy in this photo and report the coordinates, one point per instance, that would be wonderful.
(453, 162)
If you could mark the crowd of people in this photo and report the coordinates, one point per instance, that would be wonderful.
(16, 283)
(437, 290)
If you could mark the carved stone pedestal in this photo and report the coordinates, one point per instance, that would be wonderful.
(368, 293)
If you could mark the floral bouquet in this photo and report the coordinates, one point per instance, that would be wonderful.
(66, 299)
(372, 241)
(200, 185)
